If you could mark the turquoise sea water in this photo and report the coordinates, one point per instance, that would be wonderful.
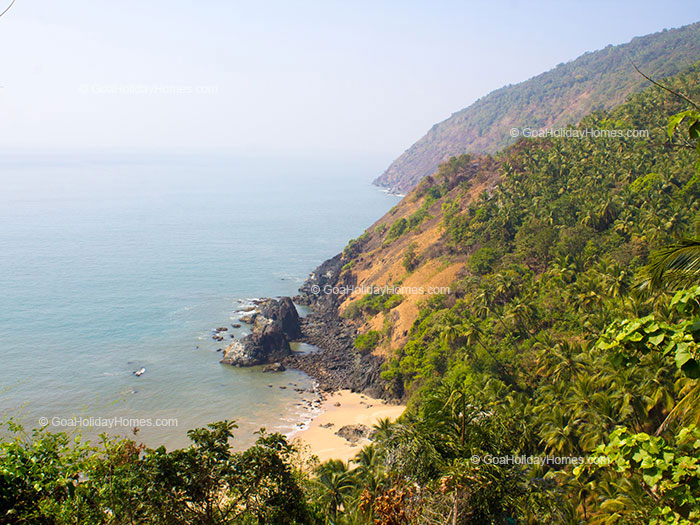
(107, 266)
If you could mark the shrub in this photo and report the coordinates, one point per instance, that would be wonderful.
(397, 229)
(410, 258)
(369, 341)
(482, 260)
(372, 304)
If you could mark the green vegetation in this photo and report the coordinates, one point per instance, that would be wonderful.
(483, 259)
(410, 259)
(372, 304)
(355, 245)
(566, 94)
(557, 338)
(416, 218)
(50, 478)
(369, 341)
(397, 229)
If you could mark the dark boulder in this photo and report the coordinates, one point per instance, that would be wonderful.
(274, 325)
(283, 312)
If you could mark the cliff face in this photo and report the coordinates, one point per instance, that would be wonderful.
(374, 287)
(597, 80)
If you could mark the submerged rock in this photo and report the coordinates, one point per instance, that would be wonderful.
(274, 367)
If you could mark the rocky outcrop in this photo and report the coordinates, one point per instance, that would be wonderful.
(274, 325)
(284, 312)
(354, 433)
(338, 365)
(317, 290)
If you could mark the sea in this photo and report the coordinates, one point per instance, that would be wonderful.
(114, 263)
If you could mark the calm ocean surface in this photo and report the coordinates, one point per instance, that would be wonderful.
(107, 266)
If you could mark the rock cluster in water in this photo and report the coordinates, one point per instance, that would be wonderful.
(338, 365)
(273, 326)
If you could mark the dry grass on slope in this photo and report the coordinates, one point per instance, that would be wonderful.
(380, 263)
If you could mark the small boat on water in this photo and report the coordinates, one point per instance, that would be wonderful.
(139, 372)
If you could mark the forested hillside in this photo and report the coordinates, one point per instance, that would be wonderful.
(557, 381)
(597, 80)
(545, 346)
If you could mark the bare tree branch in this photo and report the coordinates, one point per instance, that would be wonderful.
(676, 93)
(8, 7)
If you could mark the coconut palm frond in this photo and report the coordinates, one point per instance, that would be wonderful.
(686, 410)
(675, 265)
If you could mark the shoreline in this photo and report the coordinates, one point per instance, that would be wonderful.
(339, 409)
(349, 396)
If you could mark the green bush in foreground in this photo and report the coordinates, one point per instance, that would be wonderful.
(51, 478)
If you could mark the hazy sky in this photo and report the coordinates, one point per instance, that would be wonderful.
(309, 78)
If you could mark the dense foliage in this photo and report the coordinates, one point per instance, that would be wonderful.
(567, 93)
(555, 333)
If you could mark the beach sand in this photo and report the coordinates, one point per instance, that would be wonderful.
(353, 409)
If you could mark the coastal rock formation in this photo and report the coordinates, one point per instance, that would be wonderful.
(247, 319)
(274, 325)
(338, 365)
(284, 312)
(317, 290)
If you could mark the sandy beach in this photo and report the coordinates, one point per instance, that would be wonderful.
(340, 409)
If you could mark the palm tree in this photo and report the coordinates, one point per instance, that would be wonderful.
(473, 334)
(382, 428)
(367, 458)
(368, 474)
(562, 361)
(558, 431)
(522, 313)
(686, 409)
(337, 484)
(677, 265)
